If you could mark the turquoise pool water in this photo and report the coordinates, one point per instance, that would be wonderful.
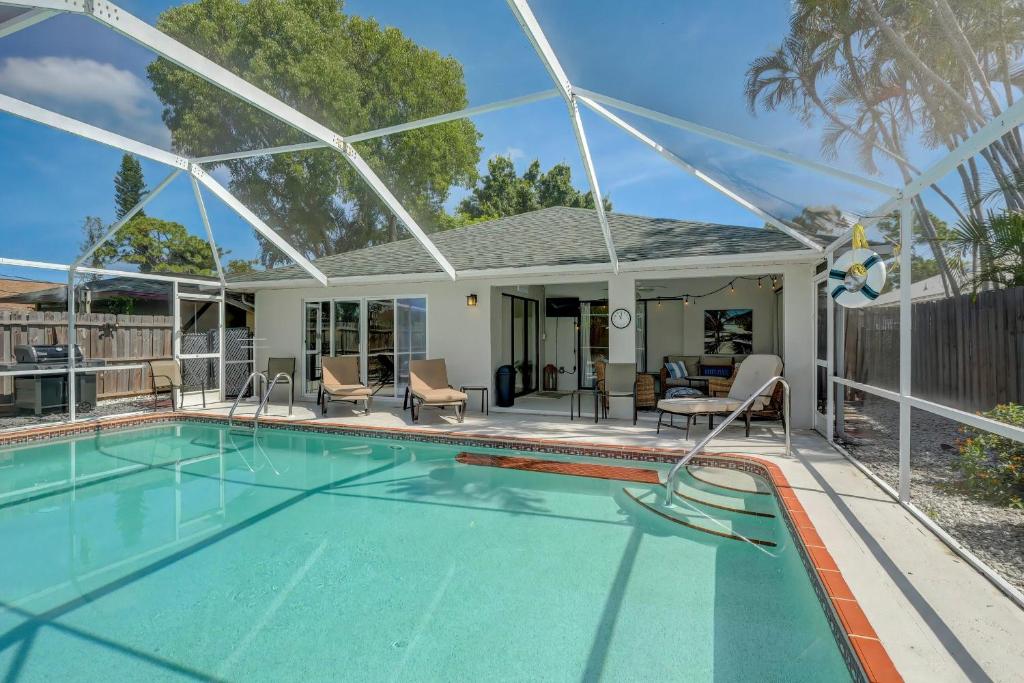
(179, 551)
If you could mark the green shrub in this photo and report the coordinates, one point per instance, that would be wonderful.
(993, 466)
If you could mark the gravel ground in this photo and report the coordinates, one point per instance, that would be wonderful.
(107, 408)
(994, 534)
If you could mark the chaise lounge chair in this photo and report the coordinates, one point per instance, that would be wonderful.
(754, 371)
(428, 386)
(340, 382)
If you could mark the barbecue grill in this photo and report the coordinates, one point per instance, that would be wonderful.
(43, 392)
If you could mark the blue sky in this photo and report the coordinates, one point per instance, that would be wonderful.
(684, 58)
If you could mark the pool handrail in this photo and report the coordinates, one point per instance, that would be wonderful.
(266, 398)
(669, 481)
(241, 393)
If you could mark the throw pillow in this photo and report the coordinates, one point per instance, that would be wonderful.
(716, 371)
(676, 369)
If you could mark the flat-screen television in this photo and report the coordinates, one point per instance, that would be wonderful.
(564, 307)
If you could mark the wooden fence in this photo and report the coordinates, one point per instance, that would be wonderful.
(968, 351)
(118, 339)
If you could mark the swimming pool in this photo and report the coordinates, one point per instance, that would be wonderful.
(180, 550)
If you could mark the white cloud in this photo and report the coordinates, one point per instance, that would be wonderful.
(97, 92)
(514, 153)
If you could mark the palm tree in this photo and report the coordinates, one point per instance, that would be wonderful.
(996, 248)
(895, 71)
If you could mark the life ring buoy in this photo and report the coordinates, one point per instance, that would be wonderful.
(856, 278)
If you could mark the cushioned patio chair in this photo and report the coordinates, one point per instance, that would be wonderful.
(339, 381)
(753, 372)
(428, 386)
(167, 377)
(276, 366)
(617, 380)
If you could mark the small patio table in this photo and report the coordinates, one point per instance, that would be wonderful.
(485, 402)
(577, 396)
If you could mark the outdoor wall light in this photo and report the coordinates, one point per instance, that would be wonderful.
(471, 300)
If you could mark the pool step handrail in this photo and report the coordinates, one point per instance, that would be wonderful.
(266, 398)
(699, 448)
(255, 374)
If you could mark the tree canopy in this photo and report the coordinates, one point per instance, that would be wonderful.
(129, 186)
(151, 244)
(502, 192)
(159, 246)
(350, 74)
(885, 77)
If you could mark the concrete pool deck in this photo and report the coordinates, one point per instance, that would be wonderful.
(912, 587)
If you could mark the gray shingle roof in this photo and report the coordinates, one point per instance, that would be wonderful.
(547, 237)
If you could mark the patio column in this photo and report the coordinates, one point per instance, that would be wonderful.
(798, 339)
(622, 342)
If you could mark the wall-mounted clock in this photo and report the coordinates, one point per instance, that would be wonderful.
(621, 318)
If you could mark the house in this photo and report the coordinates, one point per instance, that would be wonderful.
(119, 295)
(12, 289)
(537, 290)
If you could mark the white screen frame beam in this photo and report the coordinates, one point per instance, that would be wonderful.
(69, 125)
(389, 130)
(116, 18)
(700, 175)
(533, 31)
(25, 20)
(737, 141)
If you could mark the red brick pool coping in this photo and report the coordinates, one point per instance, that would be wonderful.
(571, 469)
(872, 657)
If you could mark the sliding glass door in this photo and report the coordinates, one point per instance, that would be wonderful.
(411, 338)
(380, 339)
(593, 339)
(522, 352)
(315, 342)
(385, 334)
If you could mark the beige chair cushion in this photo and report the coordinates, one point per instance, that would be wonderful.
(339, 371)
(347, 390)
(441, 396)
(754, 371)
(427, 375)
(696, 406)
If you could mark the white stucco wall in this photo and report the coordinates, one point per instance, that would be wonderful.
(471, 339)
(798, 341)
(677, 328)
(455, 331)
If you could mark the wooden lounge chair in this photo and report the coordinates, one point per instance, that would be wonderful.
(167, 377)
(428, 386)
(754, 371)
(339, 381)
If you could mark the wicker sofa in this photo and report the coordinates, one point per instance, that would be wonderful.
(696, 366)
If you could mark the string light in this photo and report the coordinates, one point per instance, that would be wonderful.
(731, 286)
